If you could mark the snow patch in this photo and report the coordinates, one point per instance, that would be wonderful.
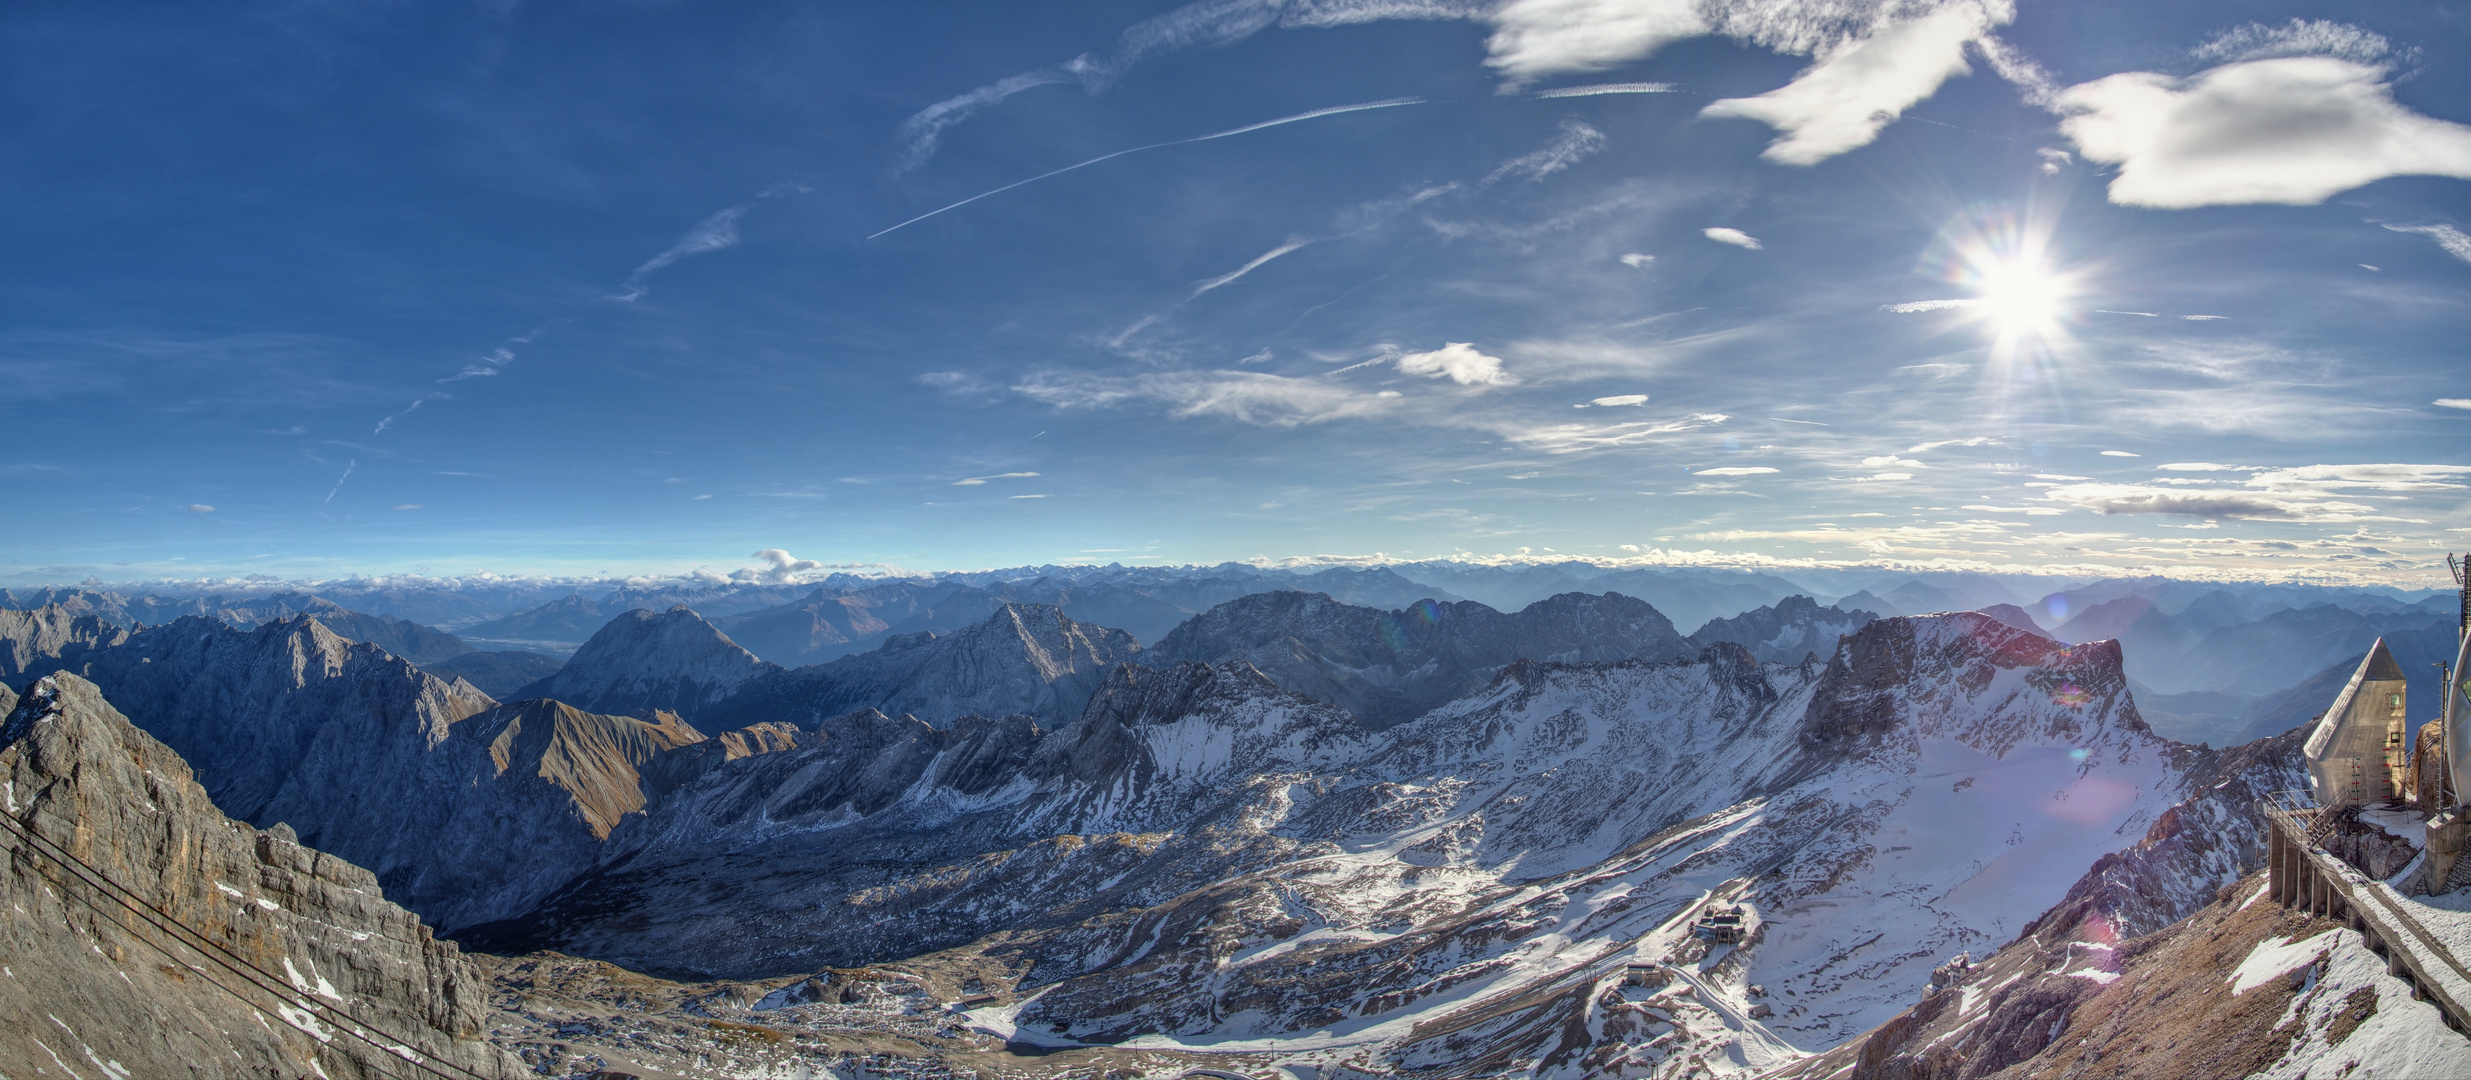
(2276, 957)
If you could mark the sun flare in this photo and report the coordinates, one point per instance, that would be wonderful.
(2022, 297)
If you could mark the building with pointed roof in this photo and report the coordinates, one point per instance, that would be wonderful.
(2355, 755)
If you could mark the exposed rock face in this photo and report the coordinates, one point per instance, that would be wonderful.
(1024, 658)
(111, 993)
(48, 638)
(641, 662)
(1787, 631)
(1388, 667)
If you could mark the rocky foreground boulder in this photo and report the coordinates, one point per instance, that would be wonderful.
(148, 935)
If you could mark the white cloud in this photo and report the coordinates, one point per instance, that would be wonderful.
(1535, 38)
(2293, 130)
(2054, 159)
(1843, 101)
(2119, 453)
(778, 569)
(2448, 237)
(1887, 460)
(2452, 403)
(1577, 142)
(1735, 470)
(1291, 244)
(1735, 237)
(2299, 37)
(1636, 261)
(2203, 466)
(974, 481)
(409, 506)
(200, 508)
(1459, 362)
(1617, 400)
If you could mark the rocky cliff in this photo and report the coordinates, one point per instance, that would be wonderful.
(148, 935)
(1388, 667)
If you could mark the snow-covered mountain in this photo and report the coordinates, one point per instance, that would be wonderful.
(1388, 667)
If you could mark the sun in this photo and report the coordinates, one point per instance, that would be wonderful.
(2021, 296)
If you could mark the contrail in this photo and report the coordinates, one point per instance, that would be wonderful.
(1332, 111)
(347, 474)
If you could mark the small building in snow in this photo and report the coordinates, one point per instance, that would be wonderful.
(2356, 753)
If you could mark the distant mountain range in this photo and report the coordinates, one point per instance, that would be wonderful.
(2214, 662)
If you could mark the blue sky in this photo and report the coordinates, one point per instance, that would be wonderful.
(314, 289)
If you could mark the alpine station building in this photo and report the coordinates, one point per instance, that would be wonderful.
(2356, 754)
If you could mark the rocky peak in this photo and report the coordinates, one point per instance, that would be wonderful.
(1906, 678)
(50, 638)
(641, 661)
(130, 992)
